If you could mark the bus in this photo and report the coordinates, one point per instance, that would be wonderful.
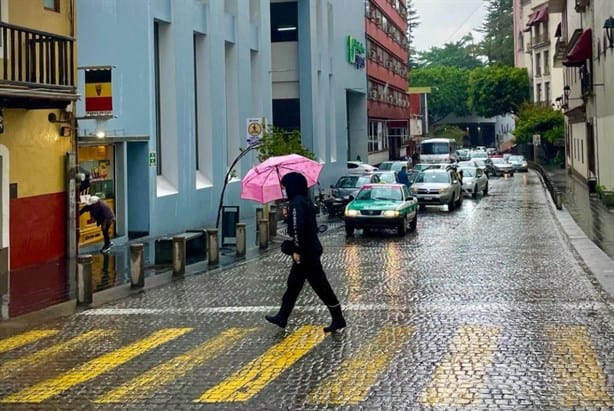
(438, 150)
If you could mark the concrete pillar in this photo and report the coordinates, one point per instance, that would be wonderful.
(178, 255)
(259, 216)
(213, 248)
(84, 279)
(137, 265)
(272, 223)
(241, 239)
(263, 233)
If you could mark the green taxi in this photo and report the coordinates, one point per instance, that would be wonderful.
(382, 206)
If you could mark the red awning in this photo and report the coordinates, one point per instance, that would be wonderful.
(538, 16)
(581, 50)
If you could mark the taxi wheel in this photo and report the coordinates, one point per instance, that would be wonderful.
(349, 231)
(402, 228)
(414, 223)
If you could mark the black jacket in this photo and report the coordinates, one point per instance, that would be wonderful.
(301, 220)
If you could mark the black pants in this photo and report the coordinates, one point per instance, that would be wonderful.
(312, 271)
(105, 226)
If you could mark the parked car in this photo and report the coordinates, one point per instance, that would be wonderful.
(392, 165)
(438, 187)
(358, 167)
(519, 163)
(350, 184)
(387, 176)
(382, 206)
(474, 181)
(502, 167)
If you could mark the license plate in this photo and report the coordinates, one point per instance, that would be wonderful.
(428, 198)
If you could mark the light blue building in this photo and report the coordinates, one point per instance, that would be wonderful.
(186, 75)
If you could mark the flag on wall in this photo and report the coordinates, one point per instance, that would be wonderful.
(98, 92)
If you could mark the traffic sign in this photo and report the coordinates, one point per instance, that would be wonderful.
(255, 130)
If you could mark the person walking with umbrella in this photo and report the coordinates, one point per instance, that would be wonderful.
(306, 250)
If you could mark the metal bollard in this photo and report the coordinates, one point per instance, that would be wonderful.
(213, 249)
(263, 234)
(84, 279)
(178, 255)
(272, 223)
(137, 265)
(241, 239)
(259, 216)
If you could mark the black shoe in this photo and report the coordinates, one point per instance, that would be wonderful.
(278, 320)
(338, 320)
(336, 325)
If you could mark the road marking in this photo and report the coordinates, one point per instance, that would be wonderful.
(579, 380)
(434, 307)
(149, 382)
(12, 367)
(25, 339)
(350, 384)
(249, 380)
(91, 369)
(461, 373)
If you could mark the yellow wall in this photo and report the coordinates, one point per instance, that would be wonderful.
(32, 14)
(36, 151)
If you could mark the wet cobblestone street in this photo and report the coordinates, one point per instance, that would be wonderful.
(485, 307)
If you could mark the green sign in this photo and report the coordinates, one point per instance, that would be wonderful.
(356, 53)
(152, 159)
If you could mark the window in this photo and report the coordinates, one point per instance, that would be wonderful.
(53, 5)
(284, 22)
(546, 62)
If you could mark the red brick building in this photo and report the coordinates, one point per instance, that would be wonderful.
(388, 107)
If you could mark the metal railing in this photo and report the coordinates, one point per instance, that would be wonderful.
(32, 58)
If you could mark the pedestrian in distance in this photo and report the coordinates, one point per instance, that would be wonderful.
(305, 249)
(403, 177)
(102, 213)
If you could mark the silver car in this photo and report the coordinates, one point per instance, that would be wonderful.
(502, 167)
(519, 163)
(436, 186)
(349, 185)
(474, 181)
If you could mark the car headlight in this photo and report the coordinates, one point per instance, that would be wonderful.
(351, 213)
(391, 213)
(444, 189)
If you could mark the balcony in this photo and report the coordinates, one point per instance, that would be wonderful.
(37, 69)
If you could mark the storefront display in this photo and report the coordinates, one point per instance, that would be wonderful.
(96, 165)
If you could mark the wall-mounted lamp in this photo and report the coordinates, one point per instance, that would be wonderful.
(65, 131)
(609, 31)
(100, 134)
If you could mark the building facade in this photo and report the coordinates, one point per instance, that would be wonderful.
(586, 51)
(387, 84)
(37, 91)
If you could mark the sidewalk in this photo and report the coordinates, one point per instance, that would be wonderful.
(592, 216)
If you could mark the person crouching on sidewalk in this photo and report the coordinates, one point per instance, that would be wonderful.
(102, 213)
(306, 250)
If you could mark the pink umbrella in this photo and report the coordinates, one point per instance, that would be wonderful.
(262, 182)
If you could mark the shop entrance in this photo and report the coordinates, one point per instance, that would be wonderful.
(97, 168)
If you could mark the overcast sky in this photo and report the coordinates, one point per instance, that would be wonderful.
(445, 21)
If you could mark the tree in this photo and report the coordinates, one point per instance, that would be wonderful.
(497, 90)
(498, 29)
(413, 21)
(278, 142)
(460, 54)
(448, 93)
(548, 123)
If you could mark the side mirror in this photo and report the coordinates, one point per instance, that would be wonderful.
(332, 186)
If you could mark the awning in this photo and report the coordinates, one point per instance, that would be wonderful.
(557, 32)
(539, 15)
(581, 50)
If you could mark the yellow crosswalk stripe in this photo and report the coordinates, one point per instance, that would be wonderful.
(91, 369)
(249, 380)
(149, 382)
(461, 373)
(25, 339)
(12, 367)
(350, 384)
(579, 380)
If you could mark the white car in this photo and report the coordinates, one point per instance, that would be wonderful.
(474, 181)
(358, 167)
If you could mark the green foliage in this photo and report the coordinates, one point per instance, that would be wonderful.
(413, 21)
(498, 43)
(449, 90)
(497, 90)
(535, 119)
(460, 54)
(278, 142)
(449, 131)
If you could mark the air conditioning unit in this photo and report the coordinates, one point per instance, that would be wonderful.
(373, 95)
(373, 54)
